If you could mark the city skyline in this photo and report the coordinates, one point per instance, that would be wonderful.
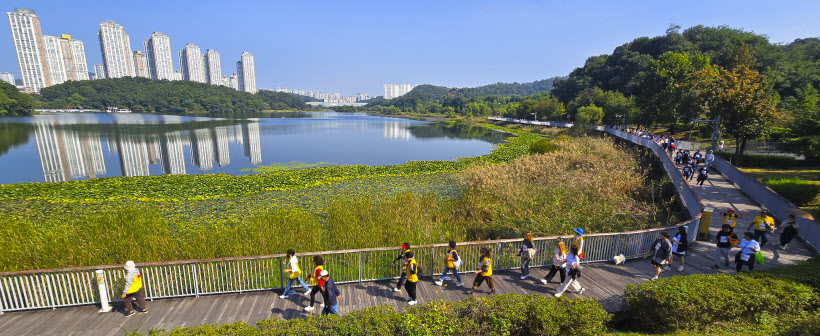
(358, 47)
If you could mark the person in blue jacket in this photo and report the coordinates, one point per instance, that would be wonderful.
(331, 294)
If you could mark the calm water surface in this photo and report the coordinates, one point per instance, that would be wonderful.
(76, 146)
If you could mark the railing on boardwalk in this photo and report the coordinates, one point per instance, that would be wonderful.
(37, 289)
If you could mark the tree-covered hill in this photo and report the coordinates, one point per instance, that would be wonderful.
(282, 100)
(13, 102)
(145, 95)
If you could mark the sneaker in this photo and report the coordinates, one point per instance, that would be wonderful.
(783, 247)
(439, 283)
(680, 269)
(459, 284)
(558, 294)
(397, 289)
(544, 281)
(716, 266)
(524, 276)
(142, 311)
(309, 308)
(307, 293)
(412, 302)
(283, 296)
(654, 277)
(129, 314)
(581, 291)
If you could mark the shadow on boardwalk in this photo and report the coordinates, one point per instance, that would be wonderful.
(603, 281)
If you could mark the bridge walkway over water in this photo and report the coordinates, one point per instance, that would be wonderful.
(603, 281)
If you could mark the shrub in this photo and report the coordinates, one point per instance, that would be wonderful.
(797, 191)
(542, 146)
(761, 160)
(696, 301)
(809, 326)
(806, 272)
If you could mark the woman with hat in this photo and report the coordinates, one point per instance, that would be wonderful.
(579, 241)
(133, 289)
(730, 218)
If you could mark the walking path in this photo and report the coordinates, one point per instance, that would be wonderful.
(603, 281)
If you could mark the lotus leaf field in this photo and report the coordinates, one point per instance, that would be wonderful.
(499, 195)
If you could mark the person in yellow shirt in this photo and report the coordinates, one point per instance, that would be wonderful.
(763, 224)
(579, 241)
(484, 272)
(730, 218)
(411, 269)
(133, 289)
(453, 260)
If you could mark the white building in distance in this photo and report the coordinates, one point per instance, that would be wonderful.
(115, 46)
(159, 57)
(55, 66)
(246, 70)
(190, 63)
(141, 65)
(7, 77)
(213, 67)
(396, 90)
(74, 58)
(99, 71)
(28, 45)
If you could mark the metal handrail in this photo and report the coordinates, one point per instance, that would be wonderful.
(52, 288)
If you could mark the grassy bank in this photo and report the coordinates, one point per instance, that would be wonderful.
(500, 195)
(799, 185)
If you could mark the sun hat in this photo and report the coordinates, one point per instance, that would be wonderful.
(579, 231)
(129, 265)
(323, 274)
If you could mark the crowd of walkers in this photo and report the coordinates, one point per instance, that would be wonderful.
(566, 263)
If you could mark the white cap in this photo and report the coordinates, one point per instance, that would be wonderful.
(323, 274)
(129, 265)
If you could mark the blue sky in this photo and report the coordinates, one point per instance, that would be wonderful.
(357, 46)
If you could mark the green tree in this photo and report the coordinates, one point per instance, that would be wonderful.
(669, 91)
(588, 116)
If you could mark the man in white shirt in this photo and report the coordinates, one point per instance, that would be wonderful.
(748, 248)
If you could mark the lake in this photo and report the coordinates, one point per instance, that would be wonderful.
(77, 146)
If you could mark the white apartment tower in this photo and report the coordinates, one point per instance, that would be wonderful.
(99, 71)
(233, 81)
(116, 50)
(55, 66)
(213, 67)
(247, 73)
(159, 57)
(28, 45)
(396, 90)
(74, 58)
(140, 65)
(7, 77)
(190, 63)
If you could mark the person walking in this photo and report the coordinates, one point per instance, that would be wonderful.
(703, 174)
(730, 218)
(411, 270)
(680, 243)
(698, 157)
(687, 172)
(330, 294)
(662, 253)
(133, 290)
(484, 272)
(579, 241)
(559, 264)
(316, 280)
(709, 158)
(678, 156)
(694, 165)
(405, 247)
(526, 253)
(748, 247)
(725, 239)
(453, 264)
(294, 274)
(685, 158)
(763, 224)
(789, 227)
(574, 267)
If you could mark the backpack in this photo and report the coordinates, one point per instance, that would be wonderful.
(457, 262)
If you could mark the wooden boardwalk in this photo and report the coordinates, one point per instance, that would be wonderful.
(603, 281)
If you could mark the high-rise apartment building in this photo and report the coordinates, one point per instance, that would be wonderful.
(247, 73)
(396, 90)
(7, 77)
(190, 63)
(177, 76)
(28, 45)
(74, 58)
(116, 50)
(233, 82)
(140, 65)
(159, 56)
(99, 71)
(213, 67)
(55, 66)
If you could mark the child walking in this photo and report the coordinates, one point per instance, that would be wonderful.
(484, 272)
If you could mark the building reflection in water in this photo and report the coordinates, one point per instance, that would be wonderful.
(69, 153)
(397, 130)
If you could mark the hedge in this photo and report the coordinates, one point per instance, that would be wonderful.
(507, 314)
(543, 146)
(761, 160)
(696, 301)
(797, 191)
(808, 326)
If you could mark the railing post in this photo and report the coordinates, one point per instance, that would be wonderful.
(432, 259)
(50, 291)
(2, 295)
(360, 266)
(196, 280)
(104, 306)
(281, 274)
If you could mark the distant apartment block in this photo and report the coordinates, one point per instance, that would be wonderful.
(115, 47)
(159, 57)
(74, 58)
(7, 77)
(28, 46)
(396, 90)
(99, 71)
(246, 70)
(140, 65)
(190, 63)
(213, 67)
